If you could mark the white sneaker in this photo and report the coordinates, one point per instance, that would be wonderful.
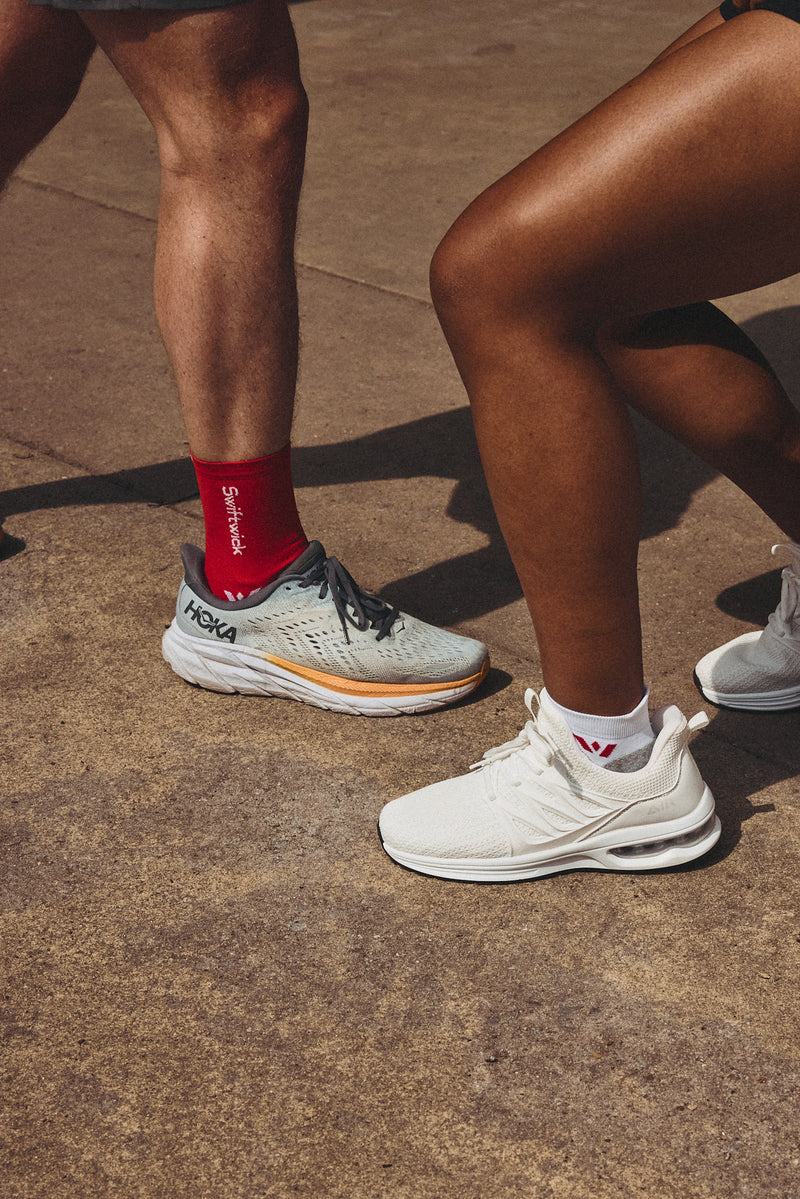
(760, 671)
(312, 634)
(537, 805)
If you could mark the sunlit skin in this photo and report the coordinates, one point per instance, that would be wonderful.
(576, 285)
(223, 92)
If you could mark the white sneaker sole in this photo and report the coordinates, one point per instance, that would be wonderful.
(242, 669)
(651, 847)
(785, 700)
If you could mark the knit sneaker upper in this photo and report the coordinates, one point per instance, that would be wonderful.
(314, 615)
(766, 661)
(539, 791)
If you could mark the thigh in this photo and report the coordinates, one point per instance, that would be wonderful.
(42, 52)
(178, 60)
(683, 186)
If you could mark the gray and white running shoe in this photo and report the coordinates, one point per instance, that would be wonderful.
(537, 805)
(312, 634)
(760, 671)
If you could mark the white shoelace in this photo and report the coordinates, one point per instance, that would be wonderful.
(539, 753)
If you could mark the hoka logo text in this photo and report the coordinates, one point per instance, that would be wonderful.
(212, 624)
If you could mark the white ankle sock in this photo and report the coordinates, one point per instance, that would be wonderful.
(607, 740)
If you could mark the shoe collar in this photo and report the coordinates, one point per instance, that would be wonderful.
(194, 560)
(672, 733)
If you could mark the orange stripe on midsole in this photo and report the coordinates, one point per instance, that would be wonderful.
(332, 682)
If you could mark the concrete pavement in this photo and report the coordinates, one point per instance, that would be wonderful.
(214, 982)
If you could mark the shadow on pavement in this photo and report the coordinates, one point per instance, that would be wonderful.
(441, 446)
(9, 546)
(753, 599)
(777, 335)
(741, 754)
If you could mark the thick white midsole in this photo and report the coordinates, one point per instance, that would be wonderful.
(785, 700)
(650, 847)
(241, 669)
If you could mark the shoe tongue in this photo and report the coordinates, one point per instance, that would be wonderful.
(551, 725)
(789, 549)
(309, 558)
(312, 555)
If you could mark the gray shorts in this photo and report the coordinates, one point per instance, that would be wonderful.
(122, 5)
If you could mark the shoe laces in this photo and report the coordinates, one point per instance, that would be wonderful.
(537, 750)
(368, 611)
(783, 621)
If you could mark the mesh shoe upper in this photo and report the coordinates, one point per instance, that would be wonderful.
(314, 615)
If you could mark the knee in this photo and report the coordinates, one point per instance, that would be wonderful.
(258, 130)
(463, 272)
(503, 266)
(524, 257)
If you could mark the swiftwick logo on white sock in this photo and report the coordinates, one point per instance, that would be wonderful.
(594, 749)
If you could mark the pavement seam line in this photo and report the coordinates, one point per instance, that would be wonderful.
(87, 473)
(54, 190)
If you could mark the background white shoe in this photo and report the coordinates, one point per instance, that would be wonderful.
(538, 805)
(760, 671)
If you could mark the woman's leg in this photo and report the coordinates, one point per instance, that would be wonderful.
(693, 372)
(682, 186)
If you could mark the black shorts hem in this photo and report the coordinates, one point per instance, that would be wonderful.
(784, 8)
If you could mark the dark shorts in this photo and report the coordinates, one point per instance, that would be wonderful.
(786, 8)
(121, 5)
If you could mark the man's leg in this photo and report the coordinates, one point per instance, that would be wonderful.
(43, 58)
(223, 91)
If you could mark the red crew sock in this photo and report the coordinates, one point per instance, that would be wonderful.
(253, 529)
